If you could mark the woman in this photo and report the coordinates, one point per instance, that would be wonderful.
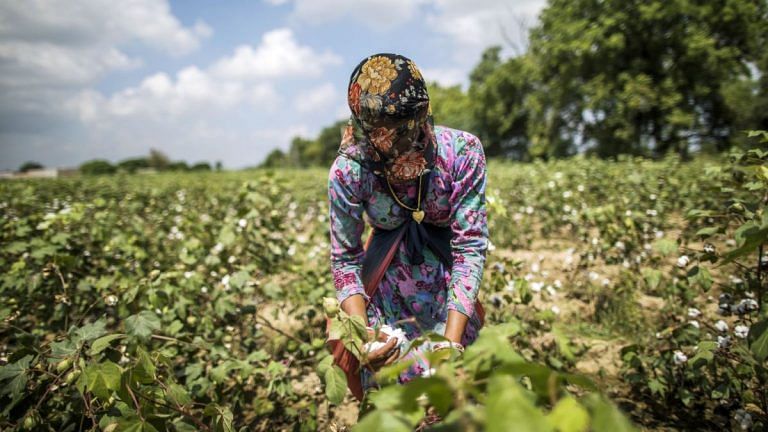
(422, 189)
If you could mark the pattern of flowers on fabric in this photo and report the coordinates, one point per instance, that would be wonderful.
(354, 98)
(348, 138)
(377, 75)
(387, 91)
(409, 165)
(414, 70)
(382, 139)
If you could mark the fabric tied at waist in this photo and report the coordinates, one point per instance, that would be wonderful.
(416, 237)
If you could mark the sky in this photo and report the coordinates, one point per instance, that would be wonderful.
(215, 80)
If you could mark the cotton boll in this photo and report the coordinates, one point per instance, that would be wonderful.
(721, 326)
(537, 286)
(535, 267)
(679, 357)
(723, 342)
(741, 331)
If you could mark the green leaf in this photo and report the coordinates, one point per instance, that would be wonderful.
(563, 344)
(380, 421)
(62, 349)
(178, 394)
(743, 231)
(701, 276)
(493, 343)
(180, 426)
(390, 373)
(323, 365)
(758, 340)
(103, 342)
(102, 379)
(569, 416)
(606, 417)
(752, 240)
(507, 404)
(90, 331)
(142, 324)
(335, 384)
(657, 387)
(704, 353)
(707, 232)
(144, 371)
(222, 417)
(652, 277)
(16, 372)
(134, 424)
(227, 236)
(665, 246)
(436, 389)
(239, 279)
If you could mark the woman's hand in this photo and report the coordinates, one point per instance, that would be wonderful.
(385, 355)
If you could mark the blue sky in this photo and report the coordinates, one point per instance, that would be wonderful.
(205, 80)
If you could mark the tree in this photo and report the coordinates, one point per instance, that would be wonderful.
(637, 76)
(158, 160)
(97, 167)
(296, 156)
(451, 107)
(30, 165)
(201, 166)
(177, 166)
(489, 61)
(324, 148)
(747, 101)
(275, 159)
(133, 164)
(498, 94)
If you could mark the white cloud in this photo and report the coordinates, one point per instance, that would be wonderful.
(445, 76)
(98, 22)
(470, 24)
(50, 50)
(248, 76)
(475, 25)
(278, 55)
(30, 64)
(316, 99)
(342, 111)
(159, 97)
(375, 14)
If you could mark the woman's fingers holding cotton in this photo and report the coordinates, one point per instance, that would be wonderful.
(382, 353)
(393, 357)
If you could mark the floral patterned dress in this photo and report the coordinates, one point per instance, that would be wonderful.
(415, 298)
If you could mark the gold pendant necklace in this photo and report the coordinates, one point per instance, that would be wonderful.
(416, 213)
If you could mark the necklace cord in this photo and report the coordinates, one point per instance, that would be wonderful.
(418, 197)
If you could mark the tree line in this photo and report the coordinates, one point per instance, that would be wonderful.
(607, 77)
(156, 160)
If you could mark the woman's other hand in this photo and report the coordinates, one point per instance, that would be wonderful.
(384, 355)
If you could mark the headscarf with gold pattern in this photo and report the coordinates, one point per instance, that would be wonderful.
(391, 130)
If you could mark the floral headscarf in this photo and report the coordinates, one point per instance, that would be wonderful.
(391, 130)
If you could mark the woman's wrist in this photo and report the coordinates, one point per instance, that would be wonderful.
(437, 346)
(455, 326)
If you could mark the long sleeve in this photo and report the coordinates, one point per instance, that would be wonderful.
(468, 223)
(346, 219)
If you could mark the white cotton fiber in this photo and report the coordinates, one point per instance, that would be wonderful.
(391, 332)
